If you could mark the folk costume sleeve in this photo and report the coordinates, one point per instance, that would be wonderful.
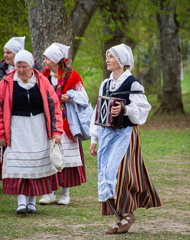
(138, 109)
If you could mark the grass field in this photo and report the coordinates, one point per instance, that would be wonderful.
(166, 149)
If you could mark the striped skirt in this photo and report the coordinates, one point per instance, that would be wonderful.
(0, 171)
(73, 176)
(26, 165)
(135, 188)
(30, 187)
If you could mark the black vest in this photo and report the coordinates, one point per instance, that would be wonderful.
(125, 86)
(26, 102)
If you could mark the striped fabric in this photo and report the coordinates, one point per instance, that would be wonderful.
(73, 176)
(30, 187)
(0, 171)
(134, 186)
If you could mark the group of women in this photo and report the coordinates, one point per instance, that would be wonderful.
(33, 111)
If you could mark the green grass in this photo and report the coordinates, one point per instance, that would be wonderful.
(166, 152)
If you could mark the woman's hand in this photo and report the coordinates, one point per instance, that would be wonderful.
(115, 110)
(2, 142)
(65, 97)
(57, 138)
(92, 149)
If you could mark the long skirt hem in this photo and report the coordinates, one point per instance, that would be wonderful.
(30, 187)
(134, 187)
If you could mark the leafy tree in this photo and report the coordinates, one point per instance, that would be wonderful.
(134, 23)
(14, 22)
(116, 20)
(183, 17)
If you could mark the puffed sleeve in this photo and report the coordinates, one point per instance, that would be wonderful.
(139, 107)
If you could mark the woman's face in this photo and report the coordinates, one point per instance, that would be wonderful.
(111, 62)
(50, 65)
(24, 70)
(9, 57)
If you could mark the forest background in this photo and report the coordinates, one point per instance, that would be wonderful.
(157, 31)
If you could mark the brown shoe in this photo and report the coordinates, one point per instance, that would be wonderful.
(130, 218)
(114, 229)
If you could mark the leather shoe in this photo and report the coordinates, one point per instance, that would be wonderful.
(114, 229)
(123, 228)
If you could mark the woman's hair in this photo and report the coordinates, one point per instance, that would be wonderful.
(126, 67)
(62, 63)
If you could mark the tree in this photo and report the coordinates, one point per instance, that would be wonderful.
(170, 57)
(14, 21)
(116, 20)
(50, 22)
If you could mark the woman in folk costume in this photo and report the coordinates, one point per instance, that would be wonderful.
(30, 117)
(123, 180)
(11, 48)
(14, 45)
(68, 84)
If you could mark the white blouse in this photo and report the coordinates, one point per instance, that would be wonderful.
(138, 109)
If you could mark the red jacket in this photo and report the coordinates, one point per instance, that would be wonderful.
(53, 114)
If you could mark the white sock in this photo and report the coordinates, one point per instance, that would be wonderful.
(32, 200)
(50, 193)
(118, 220)
(21, 200)
(65, 191)
(124, 221)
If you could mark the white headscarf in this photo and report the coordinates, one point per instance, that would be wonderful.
(24, 56)
(56, 51)
(123, 54)
(15, 44)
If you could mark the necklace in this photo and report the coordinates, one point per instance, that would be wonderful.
(113, 86)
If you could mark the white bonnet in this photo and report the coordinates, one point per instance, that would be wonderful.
(56, 51)
(15, 44)
(24, 56)
(123, 54)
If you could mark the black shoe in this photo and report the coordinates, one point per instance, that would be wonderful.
(31, 210)
(21, 210)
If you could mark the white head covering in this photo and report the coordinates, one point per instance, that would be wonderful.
(123, 54)
(15, 44)
(24, 56)
(56, 51)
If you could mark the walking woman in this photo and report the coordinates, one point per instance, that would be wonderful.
(69, 87)
(30, 117)
(123, 180)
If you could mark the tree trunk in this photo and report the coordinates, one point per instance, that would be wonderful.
(49, 23)
(170, 58)
(115, 16)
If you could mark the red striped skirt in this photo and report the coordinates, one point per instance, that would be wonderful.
(73, 176)
(30, 187)
(135, 188)
(0, 171)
